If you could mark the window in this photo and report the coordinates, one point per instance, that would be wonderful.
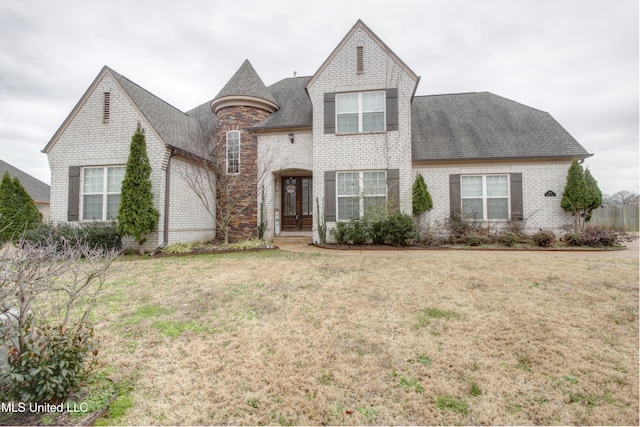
(359, 193)
(233, 151)
(360, 112)
(101, 192)
(485, 197)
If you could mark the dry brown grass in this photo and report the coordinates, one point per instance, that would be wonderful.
(284, 338)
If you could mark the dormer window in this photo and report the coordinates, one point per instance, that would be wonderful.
(360, 112)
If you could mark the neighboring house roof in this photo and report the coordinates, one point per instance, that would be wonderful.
(484, 126)
(38, 190)
(246, 85)
(295, 110)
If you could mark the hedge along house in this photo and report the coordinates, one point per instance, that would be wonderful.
(346, 141)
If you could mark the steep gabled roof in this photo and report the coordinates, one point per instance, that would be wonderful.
(244, 86)
(295, 110)
(175, 128)
(38, 190)
(359, 25)
(484, 126)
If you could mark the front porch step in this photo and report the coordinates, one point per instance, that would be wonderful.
(279, 240)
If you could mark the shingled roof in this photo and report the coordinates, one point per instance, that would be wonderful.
(38, 190)
(245, 83)
(484, 126)
(295, 110)
(175, 128)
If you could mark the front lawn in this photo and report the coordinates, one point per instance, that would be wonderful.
(417, 337)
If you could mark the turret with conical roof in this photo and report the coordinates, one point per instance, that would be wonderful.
(241, 104)
(245, 88)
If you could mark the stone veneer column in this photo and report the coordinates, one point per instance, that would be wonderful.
(245, 197)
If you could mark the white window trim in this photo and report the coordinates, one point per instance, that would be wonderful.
(104, 192)
(485, 196)
(360, 112)
(361, 191)
(227, 152)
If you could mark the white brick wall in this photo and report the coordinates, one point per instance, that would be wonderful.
(87, 141)
(389, 150)
(539, 211)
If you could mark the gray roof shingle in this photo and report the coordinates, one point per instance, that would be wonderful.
(38, 190)
(246, 82)
(485, 126)
(175, 128)
(295, 110)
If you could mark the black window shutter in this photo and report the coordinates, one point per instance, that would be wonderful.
(393, 190)
(74, 193)
(330, 112)
(330, 195)
(455, 202)
(392, 109)
(516, 197)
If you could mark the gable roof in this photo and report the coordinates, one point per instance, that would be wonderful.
(245, 85)
(484, 126)
(295, 110)
(38, 190)
(175, 128)
(359, 25)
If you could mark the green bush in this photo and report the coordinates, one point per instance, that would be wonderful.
(102, 235)
(508, 238)
(378, 231)
(357, 231)
(340, 233)
(401, 230)
(53, 364)
(544, 238)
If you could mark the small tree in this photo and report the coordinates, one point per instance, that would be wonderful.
(593, 195)
(18, 213)
(422, 201)
(136, 215)
(574, 196)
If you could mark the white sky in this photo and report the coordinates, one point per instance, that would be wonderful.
(576, 59)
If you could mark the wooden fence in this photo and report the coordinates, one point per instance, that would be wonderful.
(623, 216)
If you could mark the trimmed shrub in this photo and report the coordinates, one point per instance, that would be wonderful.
(102, 235)
(378, 231)
(593, 237)
(357, 231)
(544, 238)
(340, 233)
(401, 230)
(508, 239)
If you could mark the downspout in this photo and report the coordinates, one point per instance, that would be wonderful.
(167, 185)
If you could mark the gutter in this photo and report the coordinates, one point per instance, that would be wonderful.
(167, 185)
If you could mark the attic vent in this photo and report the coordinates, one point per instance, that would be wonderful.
(106, 109)
(360, 59)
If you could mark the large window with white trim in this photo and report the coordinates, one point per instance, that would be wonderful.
(360, 112)
(233, 151)
(359, 193)
(485, 197)
(101, 188)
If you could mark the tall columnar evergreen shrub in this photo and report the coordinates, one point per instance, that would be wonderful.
(422, 201)
(581, 194)
(593, 195)
(575, 192)
(136, 215)
(18, 213)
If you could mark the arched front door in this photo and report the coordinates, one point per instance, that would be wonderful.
(297, 203)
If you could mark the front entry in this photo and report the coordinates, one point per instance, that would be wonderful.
(297, 203)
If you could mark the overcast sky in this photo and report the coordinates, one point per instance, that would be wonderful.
(576, 59)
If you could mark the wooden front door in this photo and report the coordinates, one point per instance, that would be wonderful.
(297, 203)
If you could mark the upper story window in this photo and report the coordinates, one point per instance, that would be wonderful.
(485, 197)
(360, 112)
(233, 151)
(101, 188)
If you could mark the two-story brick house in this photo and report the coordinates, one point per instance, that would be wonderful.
(349, 139)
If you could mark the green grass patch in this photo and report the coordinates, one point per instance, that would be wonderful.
(173, 329)
(452, 404)
(426, 314)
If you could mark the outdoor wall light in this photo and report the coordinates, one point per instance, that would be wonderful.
(291, 137)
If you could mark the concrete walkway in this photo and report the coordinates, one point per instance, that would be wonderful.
(632, 251)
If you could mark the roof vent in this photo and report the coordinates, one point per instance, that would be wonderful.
(360, 59)
(106, 108)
